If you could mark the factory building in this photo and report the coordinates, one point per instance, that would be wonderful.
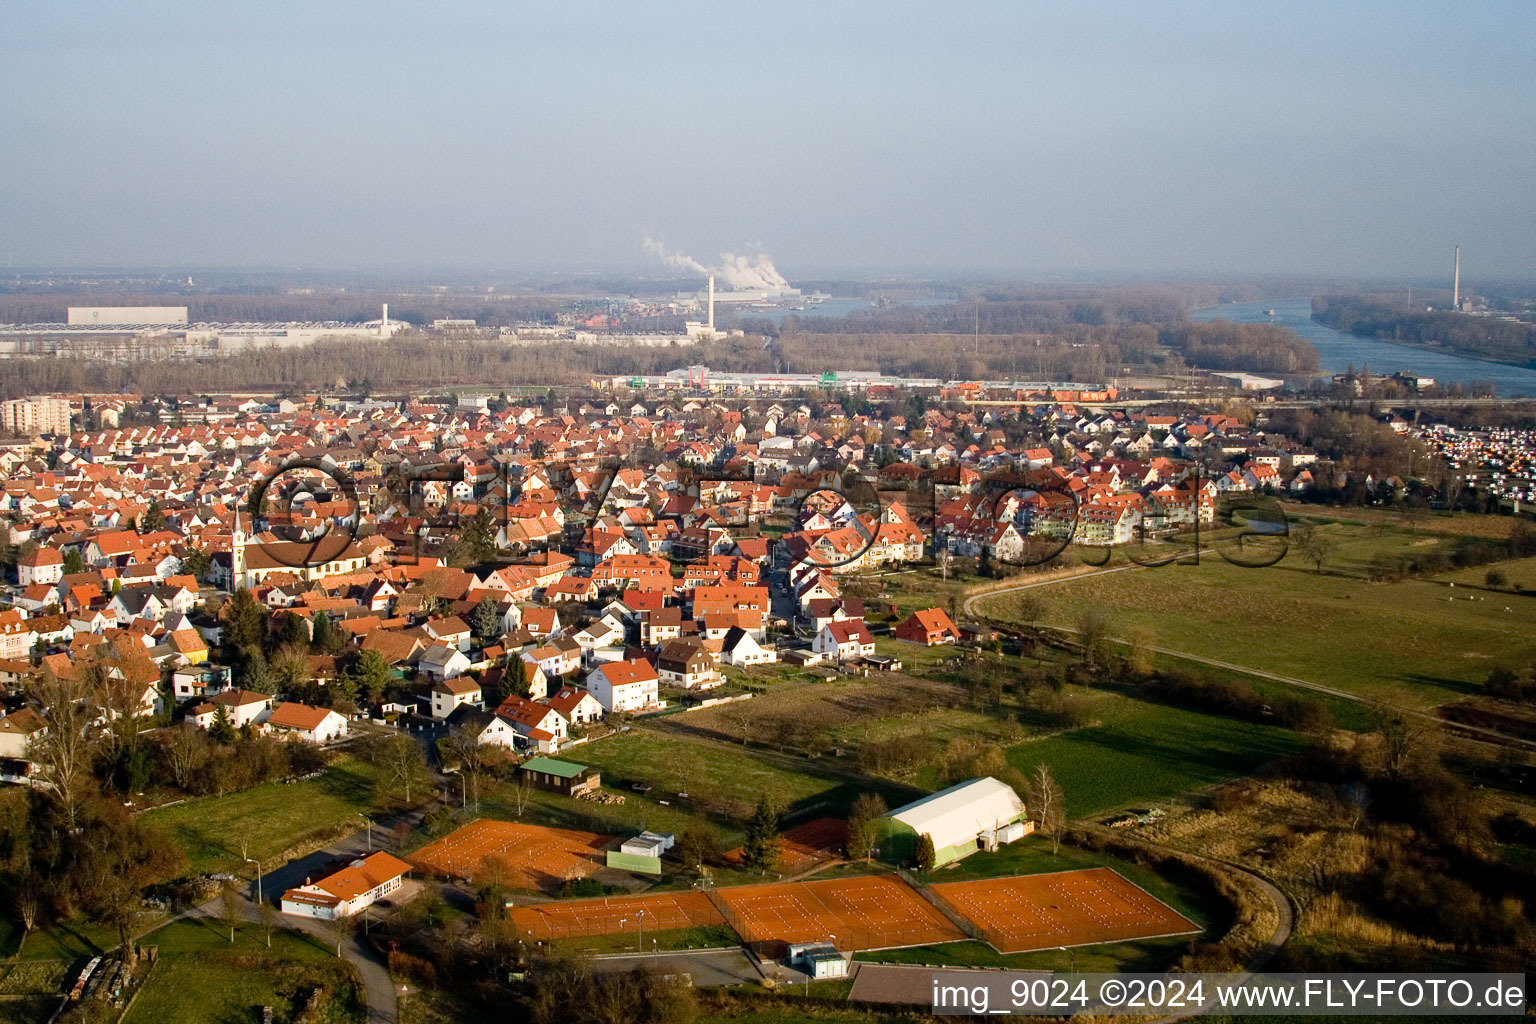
(155, 332)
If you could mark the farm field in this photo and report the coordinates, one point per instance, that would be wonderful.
(1408, 642)
(273, 818)
(1520, 572)
(719, 778)
(1140, 752)
(849, 711)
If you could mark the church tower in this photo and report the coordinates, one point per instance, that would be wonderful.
(237, 579)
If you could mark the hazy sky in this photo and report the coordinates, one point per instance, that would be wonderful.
(1015, 136)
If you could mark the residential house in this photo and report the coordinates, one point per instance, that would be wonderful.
(740, 647)
(576, 705)
(450, 693)
(624, 685)
(300, 721)
(929, 627)
(845, 640)
(687, 664)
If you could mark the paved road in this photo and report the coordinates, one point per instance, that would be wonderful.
(379, 990)
(1477, 731)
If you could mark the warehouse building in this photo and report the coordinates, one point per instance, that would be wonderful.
(978, 814)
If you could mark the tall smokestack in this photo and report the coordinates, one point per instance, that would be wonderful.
(384, 322)
(712, 301)
(1456, 282)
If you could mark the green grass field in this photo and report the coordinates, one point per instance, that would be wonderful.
(1407, 642)
(1519, 572)
(1139, 752)
(272, 818)
(672, 765)
(201, 978)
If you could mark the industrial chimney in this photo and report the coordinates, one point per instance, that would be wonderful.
(384, 322)
(712, 302)
(1456, 282)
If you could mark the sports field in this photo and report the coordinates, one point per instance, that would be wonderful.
(873, 912)
(1063, 908)
(806, 845)
(532, 857)
(569, 919)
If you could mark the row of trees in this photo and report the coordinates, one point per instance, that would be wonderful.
(1379, 316)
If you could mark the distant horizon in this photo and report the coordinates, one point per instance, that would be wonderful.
(1067, 140)
(393, 275)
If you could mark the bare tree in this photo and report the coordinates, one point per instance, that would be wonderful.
(266, 913)
(1029, 609)
(341, 928)
(522, 791)
(1315, 545)
(186, 751)
(229, 906)
(28, 901)
(63, 752)
(403, 762)
(1046, 797)
(464, 747)
(1139, 653)
(1093, 634)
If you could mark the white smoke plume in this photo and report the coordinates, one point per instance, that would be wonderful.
(739, 273)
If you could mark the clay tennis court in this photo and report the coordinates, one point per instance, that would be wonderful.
(532, 856)
(805, 846)
(1064, 908)
(872, 912)
(569, 919)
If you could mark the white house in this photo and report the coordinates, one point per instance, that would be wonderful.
(741, 648)
(243, 707)
(624, 685)
(450, 693)
(555, 660)
(576, 705)
(540, 725)
(844, 640)
(441, 661)
(488, 729)
(355, 887)
(45, 565)
(316, 725)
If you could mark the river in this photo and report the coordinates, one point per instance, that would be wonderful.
(1340, 350)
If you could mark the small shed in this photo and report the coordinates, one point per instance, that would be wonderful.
(819, 960)
(649, 844)
(555, 776)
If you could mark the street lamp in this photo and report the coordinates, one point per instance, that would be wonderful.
(640, 932)
(368, 823)
(253, 860)
(1071, 959)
